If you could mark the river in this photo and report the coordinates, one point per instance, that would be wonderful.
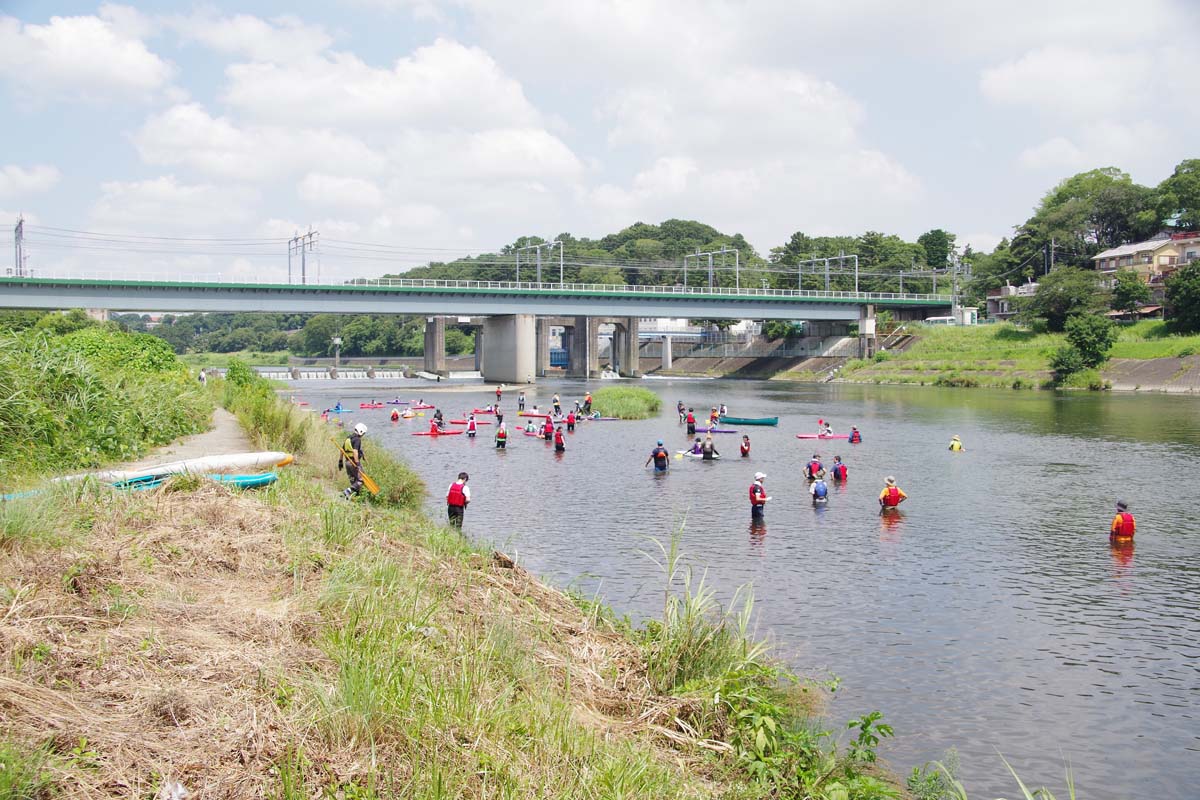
(992, 616)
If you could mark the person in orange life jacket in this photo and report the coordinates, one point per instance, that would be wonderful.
(458, 497)
(814, 469)
(839, 469)
(708, 449)
(570, 420)
(471, 427)
(714, 417)
(351, 458)
(855, 436)
(587, 403)
(690, 419)
(819, 491)
(395, 415)
(745, 446)
(892, 495)
(560, 441)
(548, 431)
(501, 437)
(758, 496)
(660, 457)
(1123, 524)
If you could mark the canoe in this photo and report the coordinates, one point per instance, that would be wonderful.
(222, 464)
(822, 436)
(715, 430)
(254, 481)
(437, 433)
(700, 456)
(464, 422)
(750, 420)
(370, 405)
(481, 411)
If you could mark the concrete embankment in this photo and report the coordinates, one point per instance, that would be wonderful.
(1171, 375)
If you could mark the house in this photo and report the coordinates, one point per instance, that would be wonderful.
(1153, 260)
(1000, 303)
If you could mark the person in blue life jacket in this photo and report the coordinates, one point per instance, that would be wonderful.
(839, 469)
(819, 491)
(660, 457)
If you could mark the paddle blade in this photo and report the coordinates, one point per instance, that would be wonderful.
(368, 482)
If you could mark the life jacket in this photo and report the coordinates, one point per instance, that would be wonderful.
(855, 437)
(471, 426)
(814, 467)
(548, 429)
(352, 447)
(433, 426)
(956, 445)
(691, 418)
(1124, 524)
(820, 489)
(501, 435)
(456, 497)
(839, 472)
(660, 456)
(558, 438)
(892, 498)
(757, 495)
(395, 415)
(571, 418)
(745, 448)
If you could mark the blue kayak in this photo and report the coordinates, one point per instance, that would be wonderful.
(254, 481)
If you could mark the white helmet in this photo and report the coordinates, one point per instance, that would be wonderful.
(360, 429)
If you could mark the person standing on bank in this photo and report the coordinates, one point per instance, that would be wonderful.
(458, 497)
(351, 459)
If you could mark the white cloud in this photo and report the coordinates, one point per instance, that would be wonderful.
(187, 135)
(1057, 153)
(16, 181)
(499, 154)
(164, 203)
(1073, 81)
(278, 40)
(980, 242)
(86, 58)
(337, 191)
(442, 84)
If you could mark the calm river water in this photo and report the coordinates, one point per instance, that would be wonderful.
(992, 617)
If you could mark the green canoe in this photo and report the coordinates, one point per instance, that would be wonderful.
(749, 420)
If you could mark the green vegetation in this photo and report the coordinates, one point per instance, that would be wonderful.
(24, 774)
(626, 402)
(1129, 292)
(1183, 295)
(1153, 339)
(1089, 338)
(254, 358)
(89, 396)
(1062, 294)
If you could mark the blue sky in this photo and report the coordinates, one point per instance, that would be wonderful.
(461, 125)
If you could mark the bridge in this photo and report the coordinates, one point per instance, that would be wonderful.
(518, 314)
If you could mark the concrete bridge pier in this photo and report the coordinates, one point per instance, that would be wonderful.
(666, 352)
(625, 348)
(479, 349)
(866, 330)
(583, 350)
(543, 346)
(435, 345)
(511, 348)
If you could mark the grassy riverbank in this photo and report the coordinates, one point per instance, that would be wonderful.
(626, 402)
(255, 358)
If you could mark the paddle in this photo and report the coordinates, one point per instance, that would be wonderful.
(368, 482)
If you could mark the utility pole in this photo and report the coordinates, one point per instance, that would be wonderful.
(302, 244)
(19, 248)
(537, 248)
(737, 262)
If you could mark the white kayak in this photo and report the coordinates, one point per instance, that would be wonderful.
(225, 463)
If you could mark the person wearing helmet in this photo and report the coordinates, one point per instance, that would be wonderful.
(660, 457)
(351, 457)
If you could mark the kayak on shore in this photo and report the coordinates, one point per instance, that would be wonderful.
(750, 420)
(254, 481)
(219, 464)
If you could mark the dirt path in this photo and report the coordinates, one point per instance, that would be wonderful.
(225, 436)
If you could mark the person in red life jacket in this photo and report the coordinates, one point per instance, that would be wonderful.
(690, 419)
(855, 436)
(501, 437)
(814, 469)
(745, 447)
(892, 495)
(395, 415)
(548, 431)
(499, 392)
(839, 469)
(458, 497)
(571, 421)
(472, 428)
(560, 441)
(758, 497)
(1123, 524)
(433, 427)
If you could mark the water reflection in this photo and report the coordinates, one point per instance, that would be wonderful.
(995, 623)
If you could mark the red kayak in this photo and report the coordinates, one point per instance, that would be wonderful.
(535, 416)
(370, 405)
(420, 405)
(439, 433)
(481, 411)
(821, 436)
(464, 422)
(538, 434)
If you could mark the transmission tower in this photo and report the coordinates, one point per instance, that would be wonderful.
(301, 244)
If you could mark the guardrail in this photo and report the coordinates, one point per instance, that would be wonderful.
(218, 280)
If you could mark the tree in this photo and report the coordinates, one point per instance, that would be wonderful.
(938, 246)
(1129, 292)
(1183, 296)
(1179, 195)
(1060, 294)
(1092, 336)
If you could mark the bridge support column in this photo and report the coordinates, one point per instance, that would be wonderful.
(866, 331)
(543, 347)
(479, 349)
(625, 348)
(511, 348)
(435, 345)
(584, 353)
(666, 352)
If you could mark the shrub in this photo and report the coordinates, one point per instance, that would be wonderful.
(1092, 336)
(1066, 361)
(626, 402)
